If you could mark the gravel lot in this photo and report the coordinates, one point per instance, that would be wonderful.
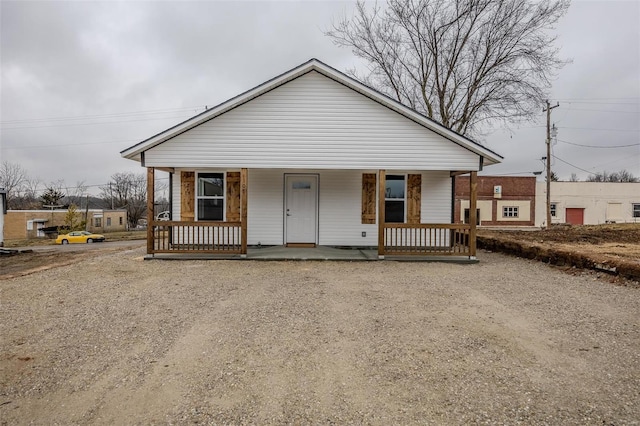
(119, 340)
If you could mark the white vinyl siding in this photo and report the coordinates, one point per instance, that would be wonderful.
(436, 197)
(341, 210)
(340, 193)
(176, 195)
(265, 218)
(312, 122)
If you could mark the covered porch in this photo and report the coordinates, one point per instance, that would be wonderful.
(228, 239)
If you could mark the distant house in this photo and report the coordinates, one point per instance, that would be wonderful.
(27, 224)
(311, 157)
(589, 203)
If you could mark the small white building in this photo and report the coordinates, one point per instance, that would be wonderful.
(589, 203)
(311, 157)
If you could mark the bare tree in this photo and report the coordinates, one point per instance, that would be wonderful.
(27, 197)
(12, 177)
(127, 191)
(574, 178)
(76, 193)
(459, 62)
(621, 176)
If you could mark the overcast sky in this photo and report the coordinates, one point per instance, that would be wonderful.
(82, 81)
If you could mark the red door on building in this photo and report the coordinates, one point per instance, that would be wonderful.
(575, 216)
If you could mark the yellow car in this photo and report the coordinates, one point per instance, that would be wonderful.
(79, 237)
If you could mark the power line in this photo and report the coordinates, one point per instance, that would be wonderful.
(601, 103)
(96, 123)
(572, 165)
(602, 110)
(598, 99)
(66, 188)
(608, 130)
(122, 114)
(71, 144)
(597, 146)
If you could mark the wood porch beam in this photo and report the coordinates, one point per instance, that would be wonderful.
(458, 173)
(244, 190)
(151, 190)
(382, 184)
(166, 169)
(473, 216)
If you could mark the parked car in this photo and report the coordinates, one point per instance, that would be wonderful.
(79, 237)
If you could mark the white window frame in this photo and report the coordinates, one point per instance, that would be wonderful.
(635, 210)
(404, 200)
(510, 212)
(222, 197)
(553, 208)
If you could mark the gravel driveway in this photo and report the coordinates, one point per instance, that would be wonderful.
(236, 342)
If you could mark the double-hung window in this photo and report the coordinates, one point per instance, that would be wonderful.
(210, 196)
(636, 210)
(395, 199)
(553, 208)
(510, 211)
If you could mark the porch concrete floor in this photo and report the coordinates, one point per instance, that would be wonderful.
(316, 253)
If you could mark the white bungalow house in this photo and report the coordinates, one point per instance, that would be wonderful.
(311, 157)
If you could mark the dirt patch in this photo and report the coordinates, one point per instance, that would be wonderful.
(28, 262)
(613, 249)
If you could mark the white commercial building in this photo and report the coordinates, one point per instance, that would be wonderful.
(589, 203)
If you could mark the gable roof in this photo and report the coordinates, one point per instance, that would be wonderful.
(134, 152)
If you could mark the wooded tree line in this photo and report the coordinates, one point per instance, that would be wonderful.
(126, 191)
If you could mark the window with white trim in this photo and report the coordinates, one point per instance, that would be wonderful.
(395, 199)
(553, 207)
(510, 211)
(636, 210)
(210, 196)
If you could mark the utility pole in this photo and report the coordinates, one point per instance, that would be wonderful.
(111, 195)
(86, 215)
(548, 111)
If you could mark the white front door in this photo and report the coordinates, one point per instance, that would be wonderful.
(301, 209)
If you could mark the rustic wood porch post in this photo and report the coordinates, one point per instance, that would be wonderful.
(382, 184)
(473, 216)
(151, 190)
(243, 209)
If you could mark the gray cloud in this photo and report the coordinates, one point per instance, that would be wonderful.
(92, 59)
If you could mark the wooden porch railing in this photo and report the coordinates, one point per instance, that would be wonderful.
(424, 239)
(197, 237)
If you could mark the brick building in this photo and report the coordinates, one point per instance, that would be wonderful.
(26, 224)
(502, 200)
